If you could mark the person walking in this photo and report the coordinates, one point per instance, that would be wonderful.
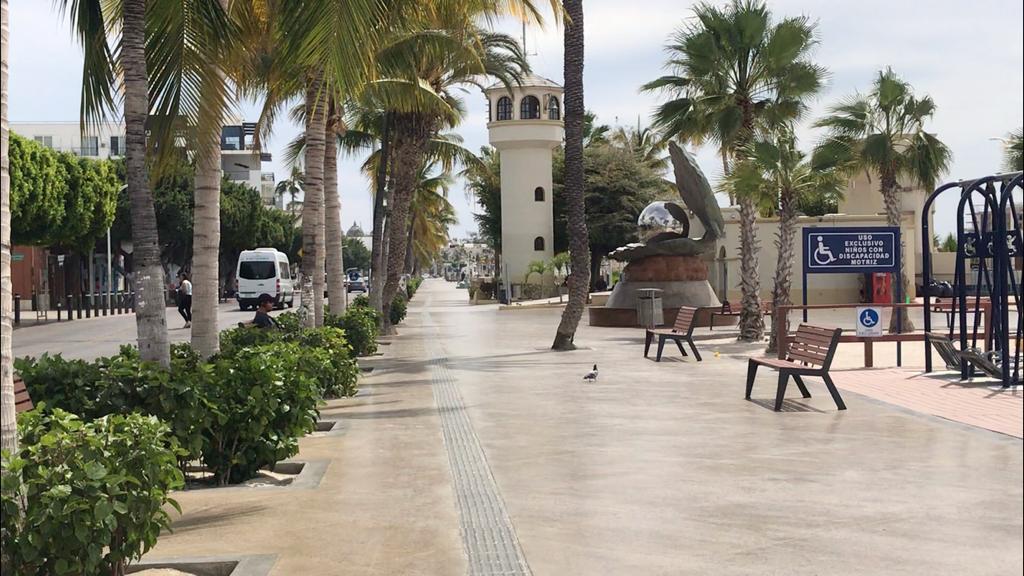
(185, 298)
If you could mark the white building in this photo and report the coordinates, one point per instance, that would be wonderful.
(240, 161)
(525, 125)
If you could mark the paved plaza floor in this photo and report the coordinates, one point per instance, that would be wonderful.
(473, 449)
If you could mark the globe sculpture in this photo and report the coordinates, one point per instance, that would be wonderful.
(667, 257)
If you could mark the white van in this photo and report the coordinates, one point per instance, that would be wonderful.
(264, 271)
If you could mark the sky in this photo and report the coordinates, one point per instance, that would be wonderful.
(967, 56)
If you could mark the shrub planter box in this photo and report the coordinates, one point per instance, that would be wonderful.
(327, 428)
(250, 565)
(286, 474)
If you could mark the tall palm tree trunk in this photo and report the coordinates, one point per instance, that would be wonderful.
(336, 295)
(889, 189)
(320, 280)
(150, 307)
(316, 123)
(751, 321)
(410, 257)
(8, 427)
(579, 249)
(377, 242)
(784, 265)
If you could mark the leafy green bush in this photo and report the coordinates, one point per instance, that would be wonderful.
(265, 402)
(288, 323)
(399, 307)
(328, 351)
(235, 339)
(91, 494)
(412, 285)
(72, 385)
(361, 301)
(123, 384)
(360, 326)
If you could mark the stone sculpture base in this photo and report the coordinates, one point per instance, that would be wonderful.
(682, 279)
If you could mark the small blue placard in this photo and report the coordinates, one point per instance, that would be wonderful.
(851, 250)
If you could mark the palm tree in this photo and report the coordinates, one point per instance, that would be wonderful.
(775, 173)
(8, 426)
(431, 215)
(421, 66)
(312, 204)
(1014, 155)
(645, 143)
(579, 250)
(738, 73)
(292, 186)
(337, 296)
(883, 134)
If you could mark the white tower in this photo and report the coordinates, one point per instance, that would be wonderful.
(525, 125)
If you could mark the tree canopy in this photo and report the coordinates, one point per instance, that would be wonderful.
(57, 198)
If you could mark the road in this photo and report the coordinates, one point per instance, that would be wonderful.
(90, 338)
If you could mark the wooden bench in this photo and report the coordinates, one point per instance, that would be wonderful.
(810, 354)
(22, 401)
(944, 346)
(726, 310)
(680, 331)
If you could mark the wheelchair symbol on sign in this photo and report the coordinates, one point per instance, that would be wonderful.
(823, 254)
(869, 318)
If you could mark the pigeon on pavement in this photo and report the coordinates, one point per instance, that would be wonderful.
(592, 375)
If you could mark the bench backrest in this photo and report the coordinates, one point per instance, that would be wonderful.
(684, 320)
(22, 401)
(814, 345)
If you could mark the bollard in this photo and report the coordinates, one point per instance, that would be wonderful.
(59, 307)
(120, 302)
(103, 302)
(78, 305)
(70, 306)
(95, 305)
(88, 305)
(17, 309)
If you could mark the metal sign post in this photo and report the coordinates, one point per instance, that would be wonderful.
(847, 250)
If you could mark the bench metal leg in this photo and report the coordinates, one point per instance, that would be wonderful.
(694, 348)
(800, 384)
(661, 347)
(781, 393)
(712, 325)
(680, 346)
(647, 342)
(833, 391)
(751, 372)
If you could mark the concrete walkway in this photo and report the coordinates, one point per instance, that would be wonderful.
(474, 449)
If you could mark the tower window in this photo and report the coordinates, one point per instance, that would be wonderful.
(538, 194)
(504, 108)
(538, 244)
(554, 110)
(529, 108)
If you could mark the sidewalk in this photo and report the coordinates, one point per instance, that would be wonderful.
(472, 448)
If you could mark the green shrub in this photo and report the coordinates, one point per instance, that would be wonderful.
(360, 326)
(265, 402)
(361, 301)
(91, 494)
(399, 307)
(71, 385)
(235, 339)
(412, 285)
(288, 323)
(328, 352)
(123, 384)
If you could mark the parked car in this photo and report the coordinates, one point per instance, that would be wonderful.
(354, 281)
(264, 271)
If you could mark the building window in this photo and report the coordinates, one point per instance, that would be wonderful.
(44, 140)
(529, 108)
(117, 145)
(554, 110)
(538, 194)
(90, 146)
(538, 244)
(504, 108)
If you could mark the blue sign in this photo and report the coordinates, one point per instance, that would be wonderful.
(869, 322)
(851, 250)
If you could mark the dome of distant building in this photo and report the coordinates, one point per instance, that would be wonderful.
(355, 230)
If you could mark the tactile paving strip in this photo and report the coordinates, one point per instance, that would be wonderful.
(487, 532)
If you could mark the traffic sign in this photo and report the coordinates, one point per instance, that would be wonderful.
(869, 321)
(846, 250)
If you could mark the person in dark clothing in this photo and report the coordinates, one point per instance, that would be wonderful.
(264, 304)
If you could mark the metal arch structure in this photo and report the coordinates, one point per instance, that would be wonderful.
(991, 243)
